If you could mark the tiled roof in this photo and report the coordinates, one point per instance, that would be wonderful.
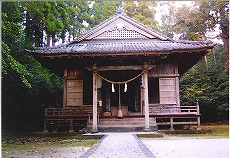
(124, 47)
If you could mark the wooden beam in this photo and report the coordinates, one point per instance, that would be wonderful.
(120, 68)
(163, 75)
(81, 55)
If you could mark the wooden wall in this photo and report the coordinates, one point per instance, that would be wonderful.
(167, 76)
(73, 88)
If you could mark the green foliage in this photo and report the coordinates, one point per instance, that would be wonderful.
(193, 22)
(11, 43)
(210, 84)
(27, 87)
(12, 67)
(142, 11)
(102, 10)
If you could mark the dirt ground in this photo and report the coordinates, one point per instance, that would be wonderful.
(169, 146)
(50, 152)
(188, 147)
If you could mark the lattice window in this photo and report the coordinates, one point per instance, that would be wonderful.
(120, 34)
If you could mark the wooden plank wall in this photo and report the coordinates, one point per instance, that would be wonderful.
(73, 88)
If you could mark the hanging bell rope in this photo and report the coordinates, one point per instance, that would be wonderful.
(120, 82)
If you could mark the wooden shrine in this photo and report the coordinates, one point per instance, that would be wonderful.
(122, 75)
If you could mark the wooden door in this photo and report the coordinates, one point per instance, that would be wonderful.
(167, 87)
(74, 92)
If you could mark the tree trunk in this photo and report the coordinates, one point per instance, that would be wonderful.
(48, 40)
(53, 40)
(225, 39)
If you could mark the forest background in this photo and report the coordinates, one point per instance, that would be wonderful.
(28, 88)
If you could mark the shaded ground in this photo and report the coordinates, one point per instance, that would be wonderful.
(50, 152)
(46, 147)
(213, 145)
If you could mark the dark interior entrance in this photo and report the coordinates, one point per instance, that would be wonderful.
(131, 98)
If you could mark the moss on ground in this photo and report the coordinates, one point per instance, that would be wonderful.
(208, 131)
(218, 130)
(32, 142)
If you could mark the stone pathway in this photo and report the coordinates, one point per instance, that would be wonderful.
(119, 145)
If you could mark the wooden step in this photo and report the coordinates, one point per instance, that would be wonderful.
(124, 122)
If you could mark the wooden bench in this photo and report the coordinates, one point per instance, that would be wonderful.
(177, 115)
(70, 116)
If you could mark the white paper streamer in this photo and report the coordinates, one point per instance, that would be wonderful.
(125, 90)
(113, 89)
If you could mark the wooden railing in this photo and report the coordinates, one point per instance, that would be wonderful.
(68, 114)
(69, 111)
(177, 115)
(173, 109)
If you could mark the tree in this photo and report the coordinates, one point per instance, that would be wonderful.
(11, 43)
(217, 13)
(193, 23)
(102, 10)
(168, 19)
(142, 11)
(26, 86)
(210, 84)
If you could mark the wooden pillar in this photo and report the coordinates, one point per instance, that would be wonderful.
(94, 103)
(146, 100)
(177, 91)
(177, 86)
(198, 113)
(71, 126)
(64, 89)
(45, 127)
(171, 124)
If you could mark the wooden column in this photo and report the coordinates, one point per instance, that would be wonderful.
(171, 124)
(146, 100)
(177, 86)
(45, 127)
(94, 103)
(177, 91)
(198, 113)
(64, 89)
(71, 126)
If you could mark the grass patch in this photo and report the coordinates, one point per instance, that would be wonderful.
(32, 142)
(158, 135)
(221, 130)
(217, 131)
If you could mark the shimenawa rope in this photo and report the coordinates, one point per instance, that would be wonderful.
(120, 82)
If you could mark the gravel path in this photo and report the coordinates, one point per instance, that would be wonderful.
(182, 147)
(119, 145)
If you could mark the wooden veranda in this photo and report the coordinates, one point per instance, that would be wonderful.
(80, 117)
